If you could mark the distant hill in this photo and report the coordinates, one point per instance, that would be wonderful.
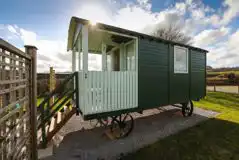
(222, 69)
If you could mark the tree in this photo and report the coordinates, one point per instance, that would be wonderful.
(232, 77)
(172, 33)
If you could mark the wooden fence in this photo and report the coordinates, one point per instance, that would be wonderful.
(17, 102)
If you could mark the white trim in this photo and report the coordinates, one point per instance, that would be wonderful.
(174, 52)
(104, 61)
(120, 34)
(128, 43)
(85, 47)
(122, 56)
(77, 34)
(137, 69)
(108, 90)
(113, 49)
(79, 53)
(73, 60)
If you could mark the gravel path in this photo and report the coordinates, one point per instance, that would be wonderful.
(82, 142)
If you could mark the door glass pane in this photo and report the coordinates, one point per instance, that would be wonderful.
(130, 56)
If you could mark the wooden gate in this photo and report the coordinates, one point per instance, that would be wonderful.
(17, 102)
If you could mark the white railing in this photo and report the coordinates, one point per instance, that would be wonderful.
(107, 91)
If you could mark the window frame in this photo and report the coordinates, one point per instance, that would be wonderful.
(174, 55)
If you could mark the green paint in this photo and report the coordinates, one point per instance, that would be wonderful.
(159, 85)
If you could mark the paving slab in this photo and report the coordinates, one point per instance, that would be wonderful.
(83, 142)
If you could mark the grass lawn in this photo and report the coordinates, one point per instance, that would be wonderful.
(39, 100)
(225, 72)
(217, 138)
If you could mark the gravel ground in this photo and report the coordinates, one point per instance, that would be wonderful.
(82, 142)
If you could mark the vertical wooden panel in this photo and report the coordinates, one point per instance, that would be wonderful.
(73, 60)
(101, 91)
(128, 90)
(89, 79)
(105, 91)
(121, 89)
(112, 90)
(109, 91)
(118, 90)
(98, 91)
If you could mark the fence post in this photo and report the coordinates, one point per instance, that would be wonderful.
(238, 88)
(214, 87)
(32, 51)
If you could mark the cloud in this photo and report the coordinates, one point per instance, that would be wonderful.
(28, 37)
(209, 27)
(145, 4)
(231, 12)
(225, 54)
(181, 7)
(210, 36)
(12, 29)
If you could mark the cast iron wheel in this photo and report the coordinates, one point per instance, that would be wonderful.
(187, 108)
(122, 125)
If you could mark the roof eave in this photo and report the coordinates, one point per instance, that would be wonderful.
(76, 20)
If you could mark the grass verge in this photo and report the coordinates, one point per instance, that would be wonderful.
(217, 138)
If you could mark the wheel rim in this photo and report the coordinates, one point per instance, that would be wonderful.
(188, 109)
(122, 125)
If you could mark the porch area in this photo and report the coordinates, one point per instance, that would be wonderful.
(113, 85)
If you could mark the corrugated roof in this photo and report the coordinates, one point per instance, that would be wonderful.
(76, 20)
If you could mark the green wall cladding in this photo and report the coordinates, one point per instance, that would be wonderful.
(153, 73)
(198, 74)
(158, 84)
(179, 82)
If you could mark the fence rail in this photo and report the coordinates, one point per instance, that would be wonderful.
(16, 97)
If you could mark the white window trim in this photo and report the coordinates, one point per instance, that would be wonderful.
(184, 48)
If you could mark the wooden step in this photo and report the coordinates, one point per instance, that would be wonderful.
(61, 124)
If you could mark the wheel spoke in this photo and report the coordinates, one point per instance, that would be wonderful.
(125, 117)
(120, 118)
(124, 128)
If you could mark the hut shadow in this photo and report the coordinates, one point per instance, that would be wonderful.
(147, 130)
(211, 139)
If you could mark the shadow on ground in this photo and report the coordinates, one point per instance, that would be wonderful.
(93, 144)
(213, 139)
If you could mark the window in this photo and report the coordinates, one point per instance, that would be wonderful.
(180, 59)
(130, 56)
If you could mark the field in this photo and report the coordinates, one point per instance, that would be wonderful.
(216, 138)
(221, 78)
(221, 73)
(227, 89)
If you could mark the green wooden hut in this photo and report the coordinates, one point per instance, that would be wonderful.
(138, 71)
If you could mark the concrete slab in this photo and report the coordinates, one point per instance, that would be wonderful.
(82, 142)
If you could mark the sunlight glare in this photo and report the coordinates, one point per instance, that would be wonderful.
(93, 12)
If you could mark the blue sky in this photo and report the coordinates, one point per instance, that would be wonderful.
(212, 24)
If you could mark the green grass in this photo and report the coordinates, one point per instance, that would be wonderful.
(217, 138)
(218, 73)
(39, 100)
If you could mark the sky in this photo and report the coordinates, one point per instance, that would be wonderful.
(213, 25)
